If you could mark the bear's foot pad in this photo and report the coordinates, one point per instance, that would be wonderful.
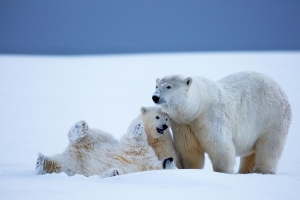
(78, 132)
(138, 129)
(40, 163)
(114, 173)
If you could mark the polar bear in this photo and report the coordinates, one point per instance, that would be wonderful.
(95, 152)
(158, 133)
(245, 114)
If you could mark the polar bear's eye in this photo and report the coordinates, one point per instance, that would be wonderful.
(157, 117)
(169, 87)
(156, 87)
(166, 119)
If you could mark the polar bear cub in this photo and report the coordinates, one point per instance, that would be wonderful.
(246, 114)
(95, 152)
(158, 133)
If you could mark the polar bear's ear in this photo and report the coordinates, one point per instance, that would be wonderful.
(144, 110)
(157, 80)
(188, 81)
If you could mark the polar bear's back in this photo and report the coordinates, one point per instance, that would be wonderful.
(257, 91)
(257, 105)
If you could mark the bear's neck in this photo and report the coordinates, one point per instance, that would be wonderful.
(183, 110)
(152, 141)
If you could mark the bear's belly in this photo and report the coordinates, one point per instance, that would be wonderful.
(244, 150)
(244, 142)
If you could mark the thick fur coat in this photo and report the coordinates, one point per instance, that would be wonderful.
(95, 152)
(246, 114)
(158, 133)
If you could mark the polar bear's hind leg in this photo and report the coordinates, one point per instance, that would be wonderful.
(247, 164)
(40, 164)
(45, 165)
(268, 151)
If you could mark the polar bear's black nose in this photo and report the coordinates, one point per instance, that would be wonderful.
(165, 126)
(155, 98)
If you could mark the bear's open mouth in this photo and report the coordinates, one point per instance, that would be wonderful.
(161, 131)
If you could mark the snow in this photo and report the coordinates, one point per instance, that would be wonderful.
(42, 97)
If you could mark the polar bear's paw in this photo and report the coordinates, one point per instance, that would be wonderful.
(114, 173)
(40, 163)
(138, 130)
(169, 164)
(78, 131)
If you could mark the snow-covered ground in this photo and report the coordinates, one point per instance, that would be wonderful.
(41, 97)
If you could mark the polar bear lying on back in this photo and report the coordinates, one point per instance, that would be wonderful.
(245, 114)
(95, 152)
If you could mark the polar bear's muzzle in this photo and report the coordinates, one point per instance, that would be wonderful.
(158, 100)
(155, 98)
(161, 131)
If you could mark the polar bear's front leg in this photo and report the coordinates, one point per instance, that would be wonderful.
(77, 132)
(190, 152)
(135, 140)
(136, 135)
(138, 131)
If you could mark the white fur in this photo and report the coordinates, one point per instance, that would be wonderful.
(245, 114)
(95, 152)
(162, 144)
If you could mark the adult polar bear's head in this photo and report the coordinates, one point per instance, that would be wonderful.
(155, 121)
(171, 88)
(178, 98)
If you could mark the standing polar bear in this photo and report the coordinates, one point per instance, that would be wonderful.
(246, 114)
(95, 152)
